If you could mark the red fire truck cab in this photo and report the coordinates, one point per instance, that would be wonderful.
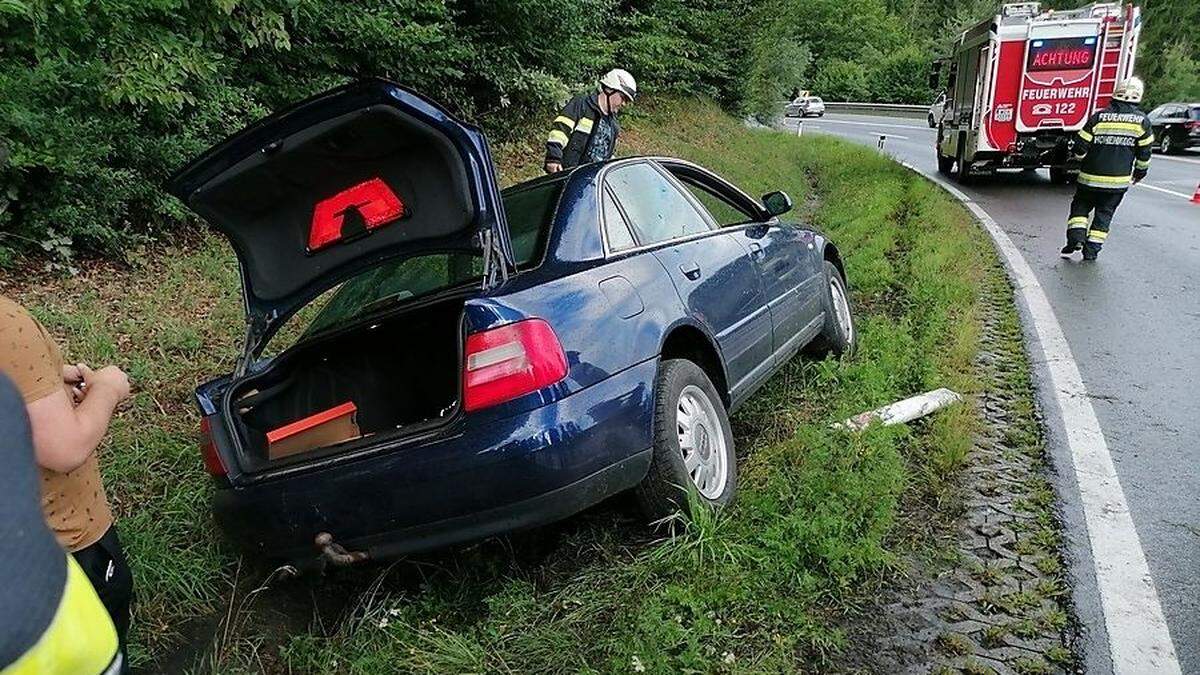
(1023, 82)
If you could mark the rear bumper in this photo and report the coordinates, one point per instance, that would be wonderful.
(488, 477)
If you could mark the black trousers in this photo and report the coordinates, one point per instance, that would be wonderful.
(1104, 204)
(105, 566)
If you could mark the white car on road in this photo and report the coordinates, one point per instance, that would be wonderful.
(804, 106)
(936, 110)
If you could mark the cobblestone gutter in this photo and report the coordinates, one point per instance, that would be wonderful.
(1003, 605)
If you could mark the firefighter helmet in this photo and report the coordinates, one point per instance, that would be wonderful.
(1130, 90)
(620, 80)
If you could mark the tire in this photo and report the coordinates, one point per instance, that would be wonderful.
(944, 163)
(669, 488)
(932, 124)
(821, 114)
(1165, 145)
(838, 336)
(962, 172)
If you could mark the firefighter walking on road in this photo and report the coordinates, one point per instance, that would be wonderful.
(586, 130)
(1115, 147)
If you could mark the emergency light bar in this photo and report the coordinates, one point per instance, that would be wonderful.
(1020, 9)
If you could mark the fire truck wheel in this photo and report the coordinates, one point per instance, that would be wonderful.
(945, 164)
(962, 169)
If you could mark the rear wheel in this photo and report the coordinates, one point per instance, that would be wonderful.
(693, 445)
(932, 124)
(944, 163)
(962, 168)
(838, 336)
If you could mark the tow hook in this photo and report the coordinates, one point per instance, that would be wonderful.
(335, 554)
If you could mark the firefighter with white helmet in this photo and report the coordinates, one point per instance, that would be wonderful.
(1114, 147)
(587, 129)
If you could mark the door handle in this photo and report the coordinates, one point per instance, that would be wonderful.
(690, 270)
(756, 251)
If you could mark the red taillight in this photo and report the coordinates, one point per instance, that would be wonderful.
(208, 450)
(370, 204)
(1194, 124)
(510, 361)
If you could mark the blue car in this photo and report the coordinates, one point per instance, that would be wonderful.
(429, 360)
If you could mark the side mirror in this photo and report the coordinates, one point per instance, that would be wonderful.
(777, 203)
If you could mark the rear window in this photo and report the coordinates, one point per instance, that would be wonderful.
(1194, 112)
(528, 211)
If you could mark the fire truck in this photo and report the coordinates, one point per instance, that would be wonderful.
(1021, 83)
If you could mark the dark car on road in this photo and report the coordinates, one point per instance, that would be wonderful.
(1176, 126)
(429, 360)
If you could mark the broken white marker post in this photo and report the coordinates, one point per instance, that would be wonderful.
(799, 127)
(903, 411)
(882, 138)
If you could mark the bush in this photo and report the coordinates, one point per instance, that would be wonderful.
(104, 98)
(900, 77)
(843, 81)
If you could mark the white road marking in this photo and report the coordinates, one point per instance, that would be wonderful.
(1169, 158)
(1139, 639)
(1170, 192)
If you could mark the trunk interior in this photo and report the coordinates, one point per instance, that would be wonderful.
(402, 373)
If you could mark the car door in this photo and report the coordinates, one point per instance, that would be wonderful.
(779, 251)
(712, 273)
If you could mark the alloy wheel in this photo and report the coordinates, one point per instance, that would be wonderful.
(702, 441)
(841, 308)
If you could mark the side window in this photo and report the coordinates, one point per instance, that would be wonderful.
(657, 210)
(615, 227)
(722, 211)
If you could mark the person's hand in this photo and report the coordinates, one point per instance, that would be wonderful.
(71, 374)
(109, 378)
(553, 167)
(73, 382)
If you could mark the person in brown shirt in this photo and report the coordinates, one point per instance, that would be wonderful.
(69, 410)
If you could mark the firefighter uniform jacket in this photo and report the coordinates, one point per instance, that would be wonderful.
(1115, 145)
(573, 133)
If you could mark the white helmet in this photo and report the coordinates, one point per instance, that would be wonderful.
(620, 80)
(1130, 90)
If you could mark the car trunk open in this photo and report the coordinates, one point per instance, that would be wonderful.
(337, 184)
(401, 374)
(369, 178)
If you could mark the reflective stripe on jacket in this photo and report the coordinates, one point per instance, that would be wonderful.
(571, 132)
(1115, 145)
(80, 639)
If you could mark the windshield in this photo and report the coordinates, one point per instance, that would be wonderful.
(529, 212)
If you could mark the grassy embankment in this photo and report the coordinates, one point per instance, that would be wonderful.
(821, 515)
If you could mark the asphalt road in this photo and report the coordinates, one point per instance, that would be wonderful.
(1132, 321)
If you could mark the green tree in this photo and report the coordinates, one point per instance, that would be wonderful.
(842, 80)
(1179, 77)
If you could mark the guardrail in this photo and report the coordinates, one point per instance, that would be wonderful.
(896, 109)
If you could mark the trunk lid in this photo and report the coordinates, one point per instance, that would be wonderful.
(339, 183)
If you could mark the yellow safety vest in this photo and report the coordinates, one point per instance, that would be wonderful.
(80, 640)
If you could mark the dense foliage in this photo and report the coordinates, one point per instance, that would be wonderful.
(103, 98)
